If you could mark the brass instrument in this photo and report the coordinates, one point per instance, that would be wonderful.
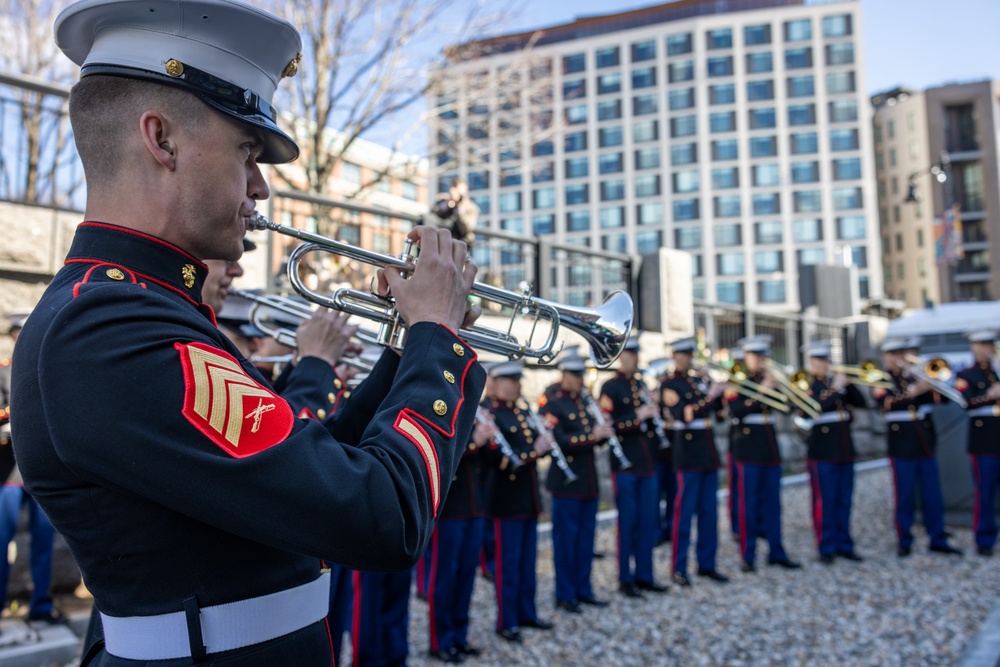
(738, 380)
(613, 441)
(659, 426)
(606, 327)
(557, 453)
(484, 417)
(866, 373)
(936, 372)
(795, 393)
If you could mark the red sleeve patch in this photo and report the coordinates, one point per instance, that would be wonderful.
(228, 406)
(961, 384)
(411, 429)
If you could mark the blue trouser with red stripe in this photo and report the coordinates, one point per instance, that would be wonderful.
(696, 494)
(381, 618)
(734, 504)
(666, 490)
(516, 549)
(986, 477)
(453, 556)
(12, 496)
(638, 515)
(574, 523)
(906, 474)
(832, 489)
(760, 508)
(338, 618)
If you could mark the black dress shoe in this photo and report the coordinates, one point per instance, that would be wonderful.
(786, 563)
(945, 549)
(680, 579)
(422, 596)
(849, 555)
(510, 634)
(598, 555)
(572, 606)
(487, 575)
(903, 552)
(593, 602)
(468, 649)
(448, 655)
(714, 575)
(630, 590)
(747, 567)
(536, 623)
(985, 551)
(826, 559)
(52, 617)
(650, 586)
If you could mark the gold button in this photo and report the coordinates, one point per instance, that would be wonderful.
(332, 397)
(472, 447)
(979, 422)
(440, 407)
(688, 436)
(449, 377)
(512, 477)
(115, 274)
(321, 413)
(746, 430)
(826, 429)
(513, 428)
(569, 459)
(524, 455)
(336, 383)
(459, 350)
(895, 427)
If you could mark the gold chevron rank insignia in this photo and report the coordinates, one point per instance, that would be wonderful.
(232, 409)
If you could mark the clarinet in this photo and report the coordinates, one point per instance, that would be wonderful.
(557, 452)
(499, 438)
(613, 441)
(658, 425)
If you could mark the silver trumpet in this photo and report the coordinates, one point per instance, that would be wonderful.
(613, 441)
(557, 453)
(262, 303)
(605, 328)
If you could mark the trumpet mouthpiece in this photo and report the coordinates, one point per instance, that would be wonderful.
(258, 222)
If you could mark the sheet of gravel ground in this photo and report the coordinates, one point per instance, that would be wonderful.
(884, 612)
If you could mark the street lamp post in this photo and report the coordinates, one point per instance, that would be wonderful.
(941, 171)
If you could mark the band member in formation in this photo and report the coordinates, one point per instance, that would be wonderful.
(830, 454)
(911, 442)
(626, 401)
(980, 386)
(453, 555)
(731, 470)
(758, 461)
(574, 504)
(513, 500)
(693, 402)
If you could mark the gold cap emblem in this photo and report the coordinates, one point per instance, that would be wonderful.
(187, 273)
(292, 68)
(115, 274)
(174, 67)
(459, 350)
(440, 407)
(449, 377)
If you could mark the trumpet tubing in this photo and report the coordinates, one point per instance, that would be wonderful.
(605, 328)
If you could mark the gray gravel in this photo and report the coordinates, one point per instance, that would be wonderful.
(886, 611)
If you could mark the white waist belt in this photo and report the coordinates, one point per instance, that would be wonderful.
(924, 411)
(224, 627)
(697, 425)
(904, 416)
(757, 419)
(985, 411)
(830, 418)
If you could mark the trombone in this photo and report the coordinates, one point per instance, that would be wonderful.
(936, 372)
(866, 373)
(606, 328)
(794, 391)
(739, 381)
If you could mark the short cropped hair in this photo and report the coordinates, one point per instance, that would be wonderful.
(102, 107)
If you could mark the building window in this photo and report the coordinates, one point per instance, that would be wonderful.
(543, 148)
(577, 194)
(607, 57)
(728, 236)
(687, 238)
(843, 140)
(725, 178)
(543, 198)
(730, 264)
(649, 213)
(847, 169)
(683, 126)
(960, 128)
(837, 26)
(807, 231)
(799, 58)
(725, 149)
(805, 172)
(727, 206)
(859, 256)
(609, 136)
(851, 228)
(610, 163)
(614, 242)
(721, 38)
(729, 292)
(575, 89)
(755, 35)
(576, 62)
(804, 143)
(609, 83)
(845, 199)
(613, 190)
(760, 62)
(648, 241)
(801, 86)
(802, 114)
(479, 180)
(512, 225)
(810, 256)
(410, 191)
(686, 181)
(768, 261)
(647, 158)
(643, 51)
(647, 104)
(350, 172)
(720, 66)
(510, 202)
(645, 130)
(798, 31)
(644, 78)
(647, 185)
(807, 201)
(722, 121)
(840, 53)
(577, 167)
(768, 203)
(762, 119)
(766, 175)
(510, 177)
(576, 114)
(682, 154)
(543, 224)
(575, 141)
(686, 209)
(763, 146)
(609, 109)
(767, 232)
(612, 217)
(681, 98)
(543, 172)
(842, 111)
(840, 82)
(682, 70)
(577, 221)
(723, 93)
(483, 202)
(771, 291)
(760, 90)
(678, 44)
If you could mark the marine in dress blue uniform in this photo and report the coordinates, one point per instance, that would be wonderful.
(574, 504)
(911, 443)
(195, 503)
(513, 503)
(830, 454)
(758, 462)
(693, 403)
(980, 386)
(635, 487)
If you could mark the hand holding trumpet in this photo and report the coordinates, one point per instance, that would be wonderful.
(326, 335)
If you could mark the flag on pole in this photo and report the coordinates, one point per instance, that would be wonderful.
(948, 247)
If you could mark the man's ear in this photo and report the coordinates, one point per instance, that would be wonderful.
(155, 129)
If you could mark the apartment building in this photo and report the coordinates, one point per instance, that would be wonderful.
(735, 131)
